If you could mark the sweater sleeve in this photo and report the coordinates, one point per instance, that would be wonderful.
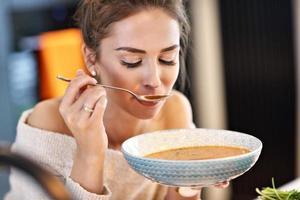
(23, 187)
(54, 152)
(79, 192)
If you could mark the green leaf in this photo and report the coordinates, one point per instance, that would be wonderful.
(268, 193)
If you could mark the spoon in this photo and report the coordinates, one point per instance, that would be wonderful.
(146, 98)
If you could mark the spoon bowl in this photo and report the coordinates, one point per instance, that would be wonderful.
(145, 98)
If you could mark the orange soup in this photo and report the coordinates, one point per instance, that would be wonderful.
(198, 153)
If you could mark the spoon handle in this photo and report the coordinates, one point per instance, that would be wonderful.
(148, 98)
(105, 86)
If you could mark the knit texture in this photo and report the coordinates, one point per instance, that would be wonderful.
(55, 152)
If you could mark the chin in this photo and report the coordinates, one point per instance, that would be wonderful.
(142, 111)
(145, 114)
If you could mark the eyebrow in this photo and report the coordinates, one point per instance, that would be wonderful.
(134, 50)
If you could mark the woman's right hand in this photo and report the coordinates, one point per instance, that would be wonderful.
(88, 130)
(86, 126)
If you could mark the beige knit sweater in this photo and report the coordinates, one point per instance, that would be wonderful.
(55, 152)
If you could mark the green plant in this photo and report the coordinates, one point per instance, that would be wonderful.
(269, 193)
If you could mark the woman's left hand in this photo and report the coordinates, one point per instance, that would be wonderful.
(191, 193)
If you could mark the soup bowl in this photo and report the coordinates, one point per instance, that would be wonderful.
(190, 173)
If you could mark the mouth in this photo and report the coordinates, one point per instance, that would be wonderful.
(149, 104)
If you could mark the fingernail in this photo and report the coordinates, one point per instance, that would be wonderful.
(93, 73)
(79, 72)
(188, 192)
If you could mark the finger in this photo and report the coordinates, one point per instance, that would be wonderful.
(75, 85)
(197, 188)
(89, 102)
(188, 192)
(89, 97)
(79, 72)
(99, 108)
(222, 185)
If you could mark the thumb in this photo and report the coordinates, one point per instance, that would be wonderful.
(222, 185)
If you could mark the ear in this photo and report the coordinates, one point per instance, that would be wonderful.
(89, 57)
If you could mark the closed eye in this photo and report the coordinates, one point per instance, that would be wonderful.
(131, 65)
(165, 62)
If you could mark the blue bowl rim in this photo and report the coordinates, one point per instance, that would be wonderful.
(249, 154)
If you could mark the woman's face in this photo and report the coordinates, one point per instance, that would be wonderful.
(140, 54)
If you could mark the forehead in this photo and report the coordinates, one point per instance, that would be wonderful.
(151, 29)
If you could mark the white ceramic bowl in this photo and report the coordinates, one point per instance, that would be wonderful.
(190, 172)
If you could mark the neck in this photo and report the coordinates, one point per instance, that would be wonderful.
(120, 126)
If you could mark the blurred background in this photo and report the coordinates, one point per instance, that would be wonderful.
(243, 64)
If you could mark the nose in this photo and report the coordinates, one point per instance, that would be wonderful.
(152, 76)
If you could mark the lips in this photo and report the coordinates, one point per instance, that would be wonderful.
(148, 104)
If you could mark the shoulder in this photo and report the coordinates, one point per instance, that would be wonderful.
(46, 116)
(177, 111)
(178, 102)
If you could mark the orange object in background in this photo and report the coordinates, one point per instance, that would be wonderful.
(60, 53)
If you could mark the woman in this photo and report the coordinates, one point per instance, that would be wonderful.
(137, 45)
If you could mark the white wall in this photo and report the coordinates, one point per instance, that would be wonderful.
(208, 78)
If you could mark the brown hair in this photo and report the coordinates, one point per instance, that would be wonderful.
(94, 18)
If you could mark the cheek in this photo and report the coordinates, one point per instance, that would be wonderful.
(117, 78)
(111, 73)
(170, 76)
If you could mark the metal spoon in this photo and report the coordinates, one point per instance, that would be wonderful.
(146, 98)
